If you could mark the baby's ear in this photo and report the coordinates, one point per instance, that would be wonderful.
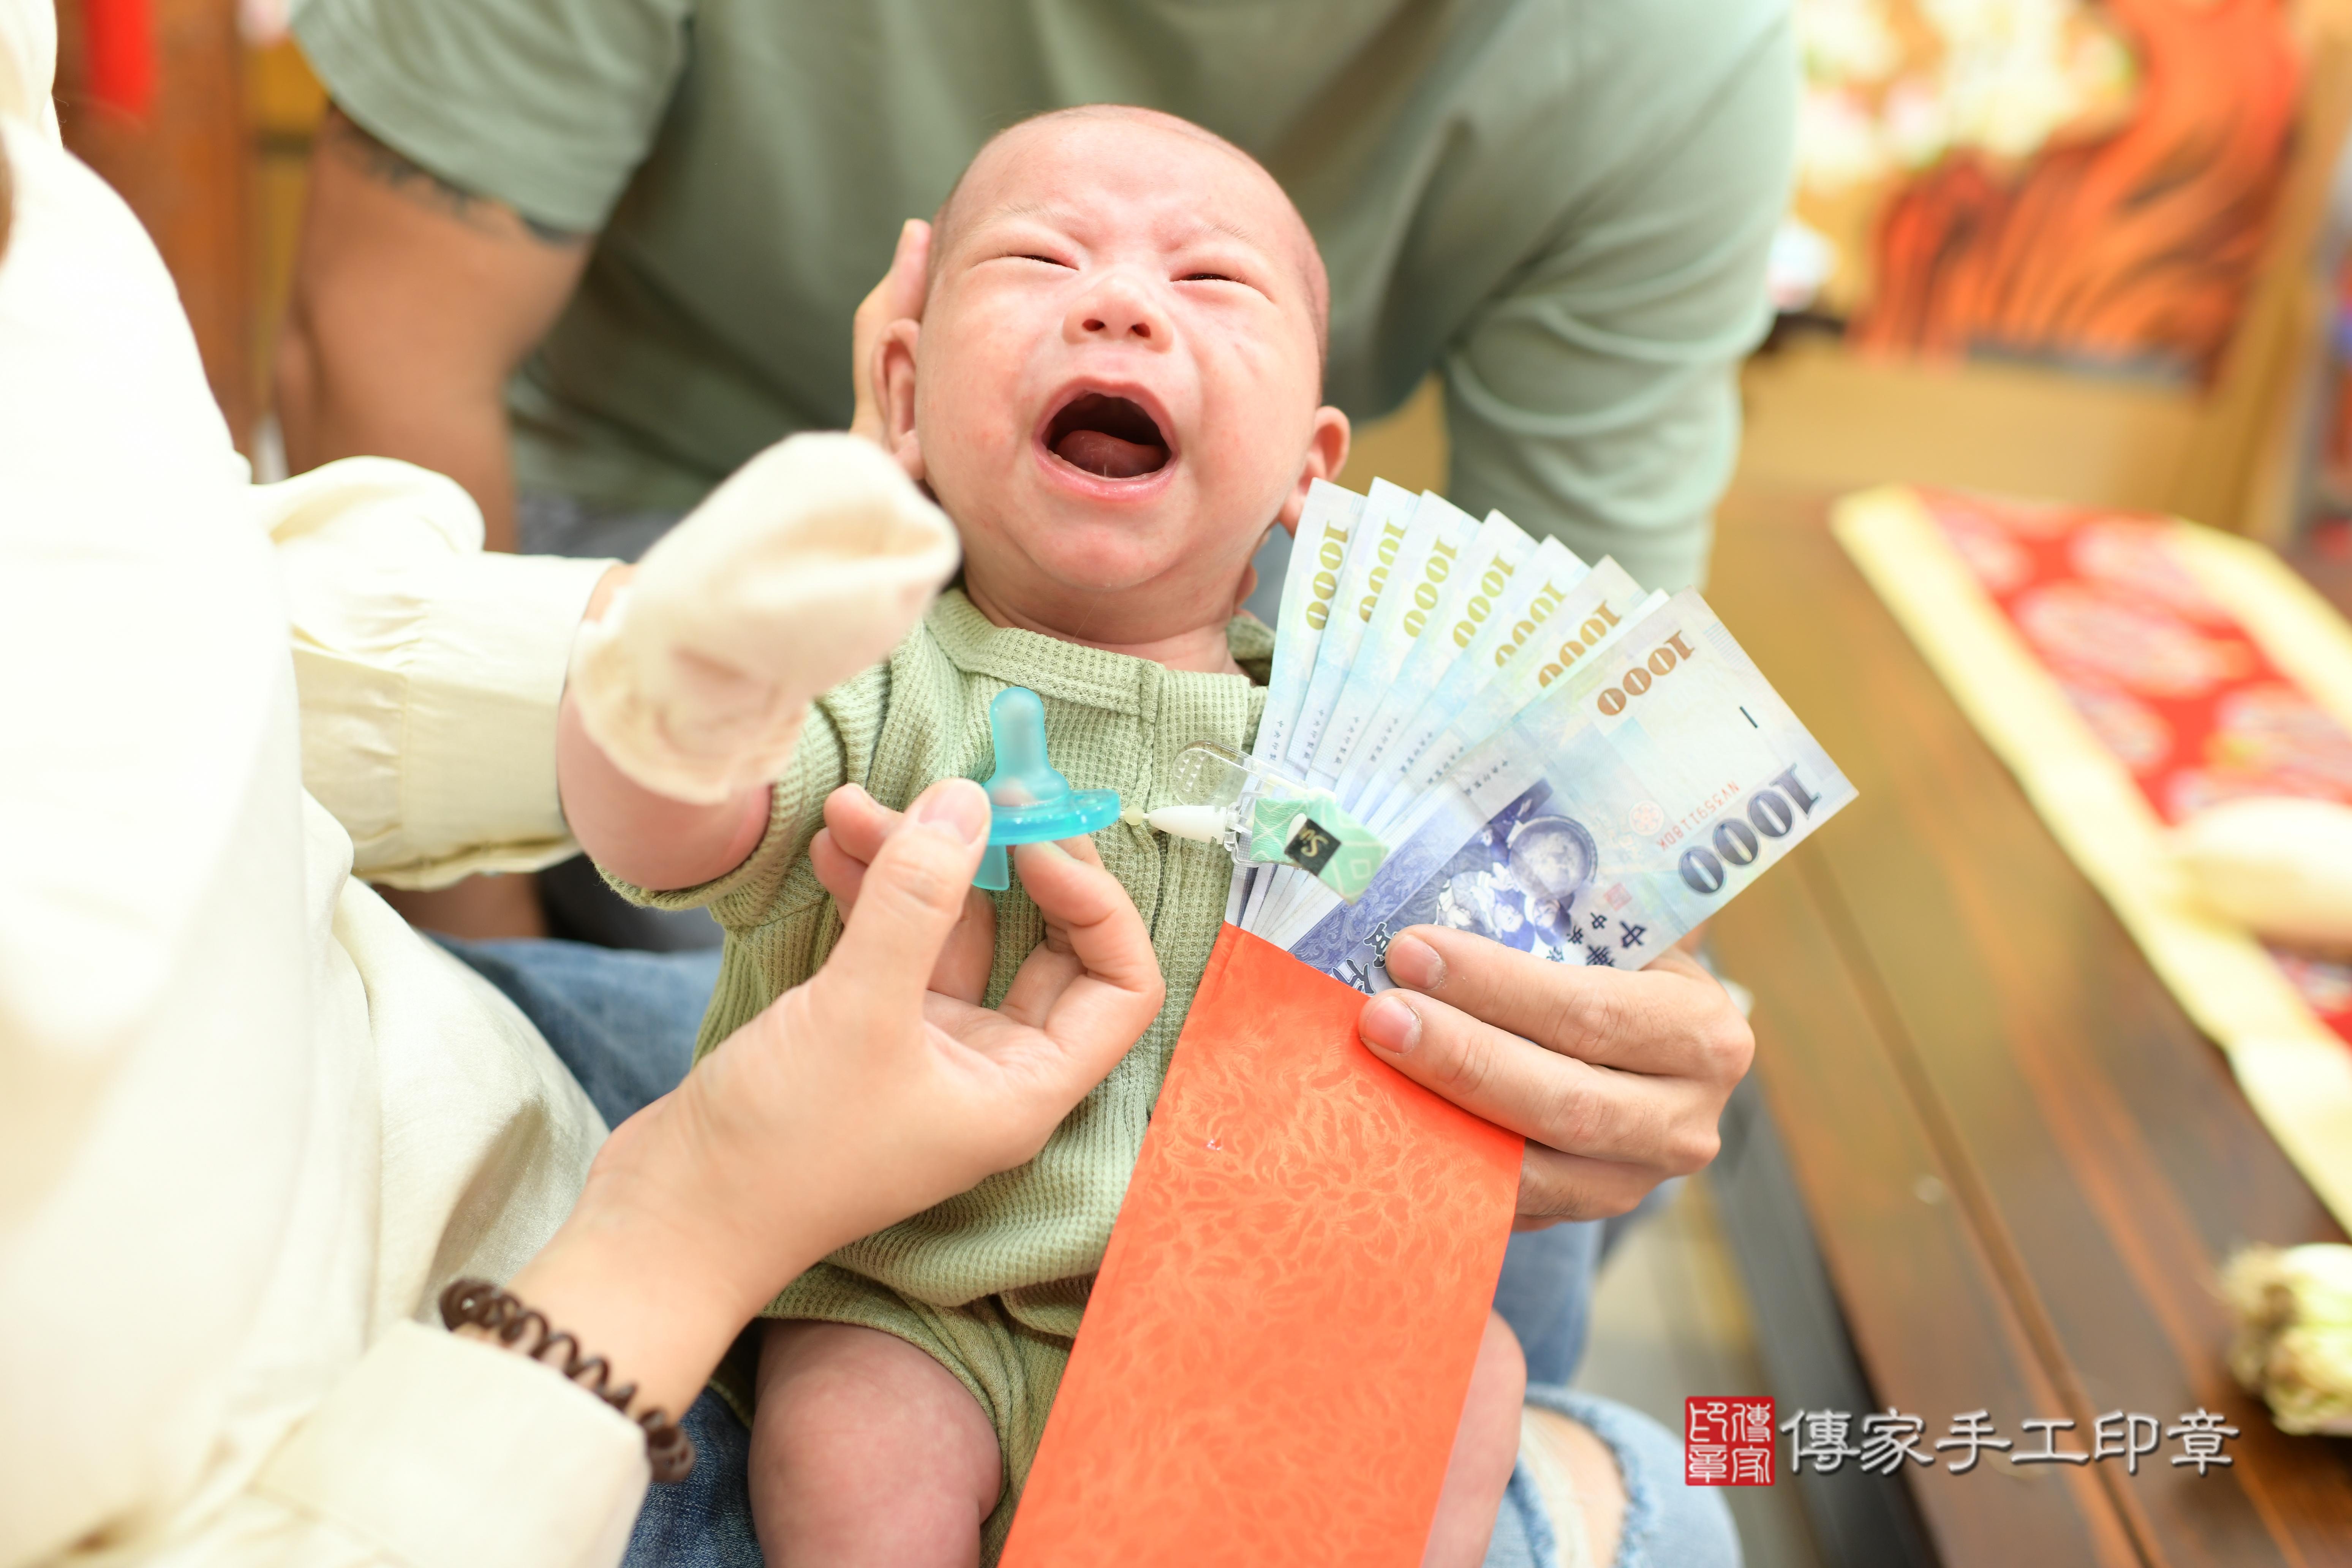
(1327, 454)
(894, 386)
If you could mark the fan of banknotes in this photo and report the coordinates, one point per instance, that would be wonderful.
(1544, 752)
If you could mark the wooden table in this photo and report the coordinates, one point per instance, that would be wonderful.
(2020, 1163)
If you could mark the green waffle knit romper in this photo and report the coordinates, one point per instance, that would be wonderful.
(990, 1283)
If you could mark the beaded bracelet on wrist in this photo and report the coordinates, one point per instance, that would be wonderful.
(480, 1304)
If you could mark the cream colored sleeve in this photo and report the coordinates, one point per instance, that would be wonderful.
(435, 1451)
(429, 671)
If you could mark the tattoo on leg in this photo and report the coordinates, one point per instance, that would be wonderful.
(422, 186)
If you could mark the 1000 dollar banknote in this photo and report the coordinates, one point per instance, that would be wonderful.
(1372, 549)
(1327, 525)
(1317, 551)
(1586, 618)
(1396, 616)
(1487, 566)
(1646, 790)
(1490, 630)
(1387, 514)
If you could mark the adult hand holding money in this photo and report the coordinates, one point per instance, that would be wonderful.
(1616, 1078)
(1570, 776)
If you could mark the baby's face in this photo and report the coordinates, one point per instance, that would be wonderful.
(1115, 386)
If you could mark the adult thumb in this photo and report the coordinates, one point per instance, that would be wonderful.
(912, 896)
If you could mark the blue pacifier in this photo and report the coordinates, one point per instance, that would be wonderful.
(1028, 802)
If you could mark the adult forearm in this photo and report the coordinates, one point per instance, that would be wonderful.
(412, 302)
(343, 392)
(644, 1299)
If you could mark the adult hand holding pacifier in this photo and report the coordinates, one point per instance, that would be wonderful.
(854, 1101)
(805, 567)
(1076, 896)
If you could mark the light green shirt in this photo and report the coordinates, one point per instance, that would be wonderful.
(1564, 206)
(1111, 722)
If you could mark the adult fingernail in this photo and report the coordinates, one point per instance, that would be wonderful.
(1413, 962)
(956, 808)
(1390, 1023)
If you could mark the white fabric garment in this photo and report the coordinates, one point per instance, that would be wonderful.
(806, 566)
(29, 60)
(2280, 866)
(249, 1123)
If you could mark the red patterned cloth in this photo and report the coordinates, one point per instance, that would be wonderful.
(2172, 683)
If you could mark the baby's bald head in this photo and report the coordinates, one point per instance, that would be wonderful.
(990, 182)
(1116, 383)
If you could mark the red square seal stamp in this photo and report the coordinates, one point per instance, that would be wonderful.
(1727, 1442)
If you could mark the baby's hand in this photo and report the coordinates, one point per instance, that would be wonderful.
(807, 565)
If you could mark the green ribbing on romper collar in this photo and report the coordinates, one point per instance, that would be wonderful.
(1180, 706)
(1072, 672)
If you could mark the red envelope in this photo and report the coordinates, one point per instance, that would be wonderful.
(1274, 1359)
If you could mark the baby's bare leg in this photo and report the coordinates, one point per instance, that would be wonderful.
(865, 1453)
(1485, 1447)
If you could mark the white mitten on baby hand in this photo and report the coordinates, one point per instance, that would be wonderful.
(808, 564)
(2280, 866)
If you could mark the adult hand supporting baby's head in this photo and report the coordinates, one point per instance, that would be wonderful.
(854, 1101)
(898, 297)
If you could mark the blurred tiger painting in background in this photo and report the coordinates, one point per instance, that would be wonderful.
(2085, 184)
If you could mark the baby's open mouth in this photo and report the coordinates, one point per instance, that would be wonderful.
(1111, 437)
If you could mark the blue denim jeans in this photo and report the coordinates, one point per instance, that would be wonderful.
(624, 1022)
(705, 1521)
